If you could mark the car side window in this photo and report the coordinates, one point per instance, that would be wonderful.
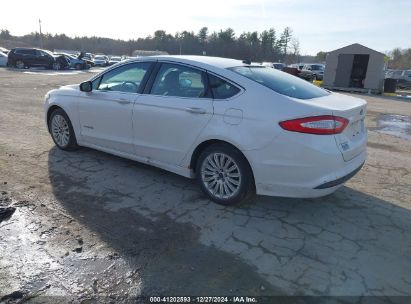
(126, 78)
(26, 52)
(181, 81)
(220, 88)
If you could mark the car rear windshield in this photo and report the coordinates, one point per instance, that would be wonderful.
(317, 67)
(281, 82)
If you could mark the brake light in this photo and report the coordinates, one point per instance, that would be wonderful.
(320, 125)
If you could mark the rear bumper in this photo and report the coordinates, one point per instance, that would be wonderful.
(340, 180)
(302, 169)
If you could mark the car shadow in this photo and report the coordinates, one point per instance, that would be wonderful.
(349, 243)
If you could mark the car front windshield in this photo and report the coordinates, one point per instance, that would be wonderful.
(281, 82)
(99, 58)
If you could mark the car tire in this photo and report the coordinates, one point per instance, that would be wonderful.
(62, 131)
(20, 64)
(56, 66)
(225, 175)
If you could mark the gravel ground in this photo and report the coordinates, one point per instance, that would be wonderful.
(93, 227)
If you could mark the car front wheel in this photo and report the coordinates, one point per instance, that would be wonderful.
(62, 131)
(224, 175)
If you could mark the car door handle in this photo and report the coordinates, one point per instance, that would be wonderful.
(196, 110)
(123, 101)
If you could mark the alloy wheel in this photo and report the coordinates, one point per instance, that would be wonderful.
(221, 175)
(60, 130)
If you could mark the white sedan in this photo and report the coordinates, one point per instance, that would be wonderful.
(237, 128)
(3, 59)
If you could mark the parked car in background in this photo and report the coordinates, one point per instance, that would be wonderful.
(275, 65)
(86, 56)
(393, 74)
(29, 57)
(114, 60)
(101, 60)
(4, 50)
(3, 59)
(298, 66)
(125, 57)
(312, 71)
(292, 70)
(235, 127)
(75, 62)
(404, 81)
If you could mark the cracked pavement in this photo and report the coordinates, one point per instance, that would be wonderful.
(91, 226)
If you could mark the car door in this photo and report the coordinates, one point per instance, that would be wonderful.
(43, 59)
(168, 120)
(28, 56)
(105, 113)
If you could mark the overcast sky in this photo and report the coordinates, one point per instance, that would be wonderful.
(318, 24)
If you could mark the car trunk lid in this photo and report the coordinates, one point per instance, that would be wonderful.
(353, 139)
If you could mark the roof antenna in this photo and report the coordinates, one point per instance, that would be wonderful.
(247, 61)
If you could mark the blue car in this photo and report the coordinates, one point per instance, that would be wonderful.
(75, 62)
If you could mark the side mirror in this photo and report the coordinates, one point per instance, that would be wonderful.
(86, 86)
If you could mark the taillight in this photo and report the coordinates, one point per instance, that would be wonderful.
(321, 125)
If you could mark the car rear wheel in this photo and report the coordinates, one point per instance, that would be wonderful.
(224, 175)
(62, 131)
(56, 66)
(20, 64)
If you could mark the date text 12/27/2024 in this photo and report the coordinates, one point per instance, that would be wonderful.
(232, 299)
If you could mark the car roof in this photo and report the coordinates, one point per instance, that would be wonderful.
(216, 65)
(204, 61)
(25, 48)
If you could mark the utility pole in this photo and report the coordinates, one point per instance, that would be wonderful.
(41, 35)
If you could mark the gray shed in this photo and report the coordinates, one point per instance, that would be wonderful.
(354, 68)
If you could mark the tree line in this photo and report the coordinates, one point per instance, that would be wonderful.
(268, 45)
(400, 59)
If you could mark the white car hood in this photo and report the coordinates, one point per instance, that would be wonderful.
(71, 87)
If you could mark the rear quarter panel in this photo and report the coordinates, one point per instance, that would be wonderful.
(249, 121)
